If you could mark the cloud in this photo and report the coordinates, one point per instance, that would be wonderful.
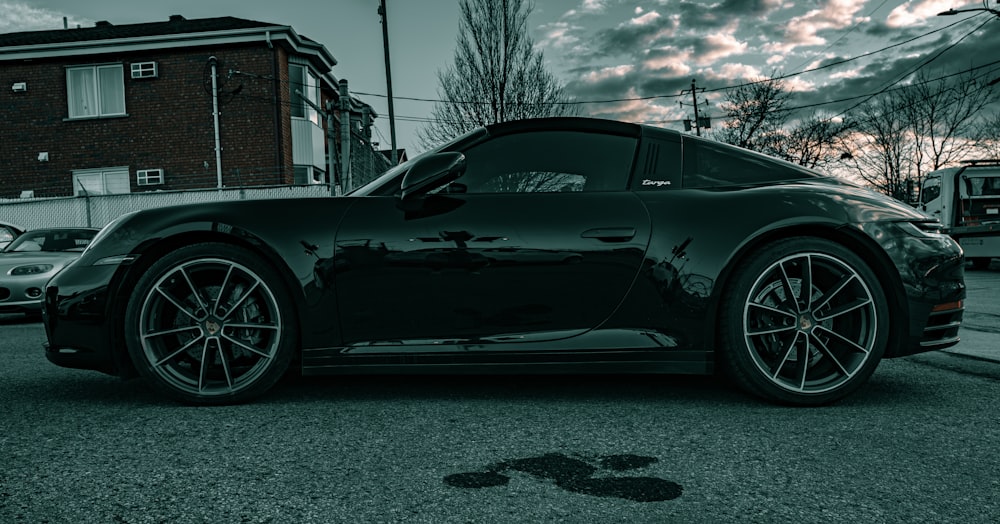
(558, 34)
(605, 73)
(592, 6)
(16, 17)
(918, 13)
(804, 30)
(718, 46)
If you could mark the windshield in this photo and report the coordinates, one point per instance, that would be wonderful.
(52, 240)
(388, 183)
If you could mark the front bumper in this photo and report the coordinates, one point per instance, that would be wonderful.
(79, 318)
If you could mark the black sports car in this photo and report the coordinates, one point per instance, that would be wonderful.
(551, 245)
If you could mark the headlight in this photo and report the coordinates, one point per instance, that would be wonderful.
(924, 229)
(34, 269)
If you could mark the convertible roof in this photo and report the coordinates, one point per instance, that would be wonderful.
(566, 123)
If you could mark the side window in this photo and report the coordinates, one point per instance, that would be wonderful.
(549, 161)
(303, 89)
(712, 164)
(930, 190)
(95, 91)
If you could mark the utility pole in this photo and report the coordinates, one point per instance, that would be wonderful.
(215, 116)
(388, 80)
(346, 174)
(694, 99)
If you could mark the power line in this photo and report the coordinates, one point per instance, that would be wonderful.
(918, 67)
(654, 97)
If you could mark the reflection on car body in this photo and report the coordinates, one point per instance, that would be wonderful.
(525, 247)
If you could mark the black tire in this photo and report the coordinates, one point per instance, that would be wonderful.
(211, 324)
(769, 326)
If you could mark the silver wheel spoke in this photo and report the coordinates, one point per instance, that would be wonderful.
(829, 354)
(225, 282)
(154, 334)
(786, 284)
(840, 337)
(833, 292)
(785, 358)
(225, 367)
(203, 371)
(844, 309)
(241, 300)
(773, 309)
(180, 350)
(807, 284)
(176, 304)
(245, 325)
(771, 330)
(246, 347)
(194, 291)
(803, 357)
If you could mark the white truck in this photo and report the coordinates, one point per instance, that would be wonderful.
(966, 200)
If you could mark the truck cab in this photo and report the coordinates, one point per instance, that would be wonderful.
(966, 200)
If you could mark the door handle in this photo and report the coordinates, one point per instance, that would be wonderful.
(610, 234)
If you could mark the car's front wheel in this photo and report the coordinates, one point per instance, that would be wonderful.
(804, 322)
(209, 324)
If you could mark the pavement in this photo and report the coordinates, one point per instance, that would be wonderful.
(980, 331)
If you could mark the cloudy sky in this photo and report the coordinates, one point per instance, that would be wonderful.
(638, 54)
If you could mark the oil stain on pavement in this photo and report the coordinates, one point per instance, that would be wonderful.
(577, 476)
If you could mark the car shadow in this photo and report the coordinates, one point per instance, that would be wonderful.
(10, 319)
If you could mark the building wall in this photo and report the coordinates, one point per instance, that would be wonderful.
(169, 123)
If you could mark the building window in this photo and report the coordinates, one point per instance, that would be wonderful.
(309, 175)
(104, 181)
(301, 80)
(95, 91)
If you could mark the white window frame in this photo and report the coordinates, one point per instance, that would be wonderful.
(144, 70)
(149, 177)
(93, 107)
(101, 181)
(308, 83)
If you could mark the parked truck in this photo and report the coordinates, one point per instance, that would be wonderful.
(966, 200)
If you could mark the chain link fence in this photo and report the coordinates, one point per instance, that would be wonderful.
(98, 210)
(366, 163)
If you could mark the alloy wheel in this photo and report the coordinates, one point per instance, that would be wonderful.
(210, 327)
(810, 323)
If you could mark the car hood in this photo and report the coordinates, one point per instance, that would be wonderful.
(9, 260)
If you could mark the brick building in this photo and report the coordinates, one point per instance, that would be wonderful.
(128, 108)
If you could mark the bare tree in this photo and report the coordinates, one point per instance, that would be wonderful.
(497, 76)
(883, 147)
(815, 141)
(946, 119)
(989, 145)
(755, 115)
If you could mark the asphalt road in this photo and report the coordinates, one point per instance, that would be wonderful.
(917, 444)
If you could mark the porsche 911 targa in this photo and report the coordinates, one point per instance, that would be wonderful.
(564, 245)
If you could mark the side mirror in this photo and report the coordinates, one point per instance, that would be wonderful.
(430, 172)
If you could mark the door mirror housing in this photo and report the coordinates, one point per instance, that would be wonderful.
(431, 171)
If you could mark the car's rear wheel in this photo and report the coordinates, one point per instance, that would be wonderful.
(805, 322)
(209, 324)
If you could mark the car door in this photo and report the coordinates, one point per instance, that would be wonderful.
(539, 240)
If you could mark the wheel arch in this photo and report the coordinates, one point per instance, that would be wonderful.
(151, 250)
(856, 241)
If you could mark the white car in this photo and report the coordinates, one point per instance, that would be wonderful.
(8, 232)
(29, 261)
